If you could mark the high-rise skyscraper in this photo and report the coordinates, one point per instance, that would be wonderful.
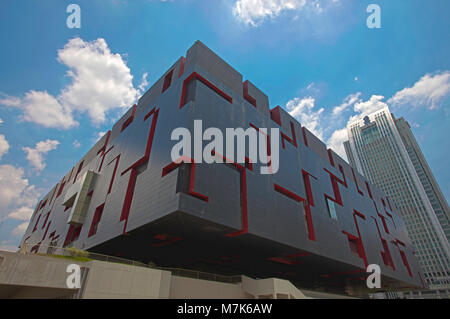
(384, 149)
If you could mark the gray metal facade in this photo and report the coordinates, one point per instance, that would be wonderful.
(315, 222)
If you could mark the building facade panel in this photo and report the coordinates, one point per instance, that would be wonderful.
(313, 221)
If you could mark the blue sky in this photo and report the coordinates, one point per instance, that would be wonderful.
(316, 58)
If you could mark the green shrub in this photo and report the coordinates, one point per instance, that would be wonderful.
(75, 252)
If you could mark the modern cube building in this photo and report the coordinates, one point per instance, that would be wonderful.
(315, 222)
(384, 149)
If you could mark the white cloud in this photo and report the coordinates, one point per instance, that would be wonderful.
(335, 142)
(100, 81)
(144, 83)
(21, 213)
(364, 108)
(4, 145)
(254, 12)
(98, 136)
(348, 101)
(429, 91)
(36, 155)
(9, 100)
(303, 110)
(1, 121)
(76, 144)
(20, 230)
(43, 108)
(15, 190)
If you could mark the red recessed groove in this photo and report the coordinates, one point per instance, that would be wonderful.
(45, 220)
(102, 150)
(243, 186)
(247, 96)
(174, 165)
(132, 181)
(96, 219)
(167, 81)
(117, 159)
(292, 140)
(46, 230)
(330, 157)
(37, 221)
(198, 77)
(357, 239)
(309, 202)
(356, 182)
(275, 115)
(182, 63)
(337, 193)
(78, 171)
(129, 120)
(268, 148)
(288, 193)
(166, 240)
(386, 254)
(369, 191)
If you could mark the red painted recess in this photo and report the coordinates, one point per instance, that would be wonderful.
(386, 253)
(356, 183)
(174, 165)
(165, 240)
(383, 219)
(305, 140)
(269, 152)
(268, 147)
(307, 203)
(167, 81)
(298, 199)
(78, 171)
(403, 255)
(356, 240)
(368, 190)
(196, 76)
(387, 213)
(72, 234)
(37, 221)
(133, 168)
(337, 193)
(129, 120)
(103, 150)
(247, 96)
(117, 159)
(46, 230)
(182, 63)
(243, 185)
(45, 220)
(103, 158)
(330, 157)
(276, 117)
(96, 220)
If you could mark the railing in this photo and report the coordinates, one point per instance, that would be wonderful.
(201, 275)
(84, 256)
